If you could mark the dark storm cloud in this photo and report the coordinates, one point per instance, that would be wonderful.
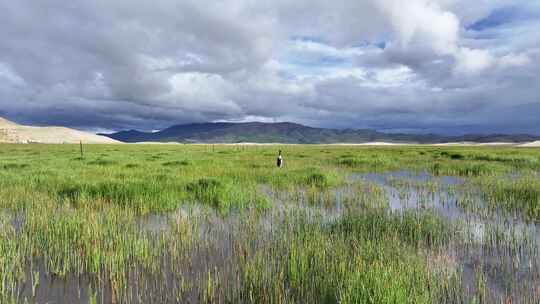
(86, 55)
(447, 65)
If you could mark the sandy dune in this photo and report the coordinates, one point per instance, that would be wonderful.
(469, 143)
(11, 132)
(532, 144)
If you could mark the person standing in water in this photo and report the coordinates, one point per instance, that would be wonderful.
(279, 160)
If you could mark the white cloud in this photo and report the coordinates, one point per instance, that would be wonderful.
(8, 76)
(473, 61)
(424, 23)
(201, 92)
(514, 60)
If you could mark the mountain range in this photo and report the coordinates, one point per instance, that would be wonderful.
(293, 133)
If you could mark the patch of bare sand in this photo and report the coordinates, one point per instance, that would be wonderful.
(531, 144)
(11, 132)
(468, 143)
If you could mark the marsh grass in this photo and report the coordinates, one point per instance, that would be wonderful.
(15, 166)
(117, 223)
(521, 195)
(102, 162)
(224, 195)
(409, 227)
(373, 163)
(466, 169)
(177, 163)
(131, 195)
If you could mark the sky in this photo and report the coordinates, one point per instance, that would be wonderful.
(416, 66)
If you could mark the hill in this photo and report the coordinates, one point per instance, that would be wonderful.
(11, 132)
(286, 132)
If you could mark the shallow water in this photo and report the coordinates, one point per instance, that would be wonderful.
(499, 251)
(409, 190)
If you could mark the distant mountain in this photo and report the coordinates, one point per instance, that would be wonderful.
(11, 132)
(286, 132)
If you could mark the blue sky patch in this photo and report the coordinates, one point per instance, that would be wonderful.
(308, 39)
(499, 17)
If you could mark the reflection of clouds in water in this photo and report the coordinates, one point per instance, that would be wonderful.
(409, 190)
(502, 248)
(502, 230)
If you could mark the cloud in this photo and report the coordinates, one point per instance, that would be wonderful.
(446, 65)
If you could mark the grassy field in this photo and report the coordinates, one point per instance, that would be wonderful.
(222, 224)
